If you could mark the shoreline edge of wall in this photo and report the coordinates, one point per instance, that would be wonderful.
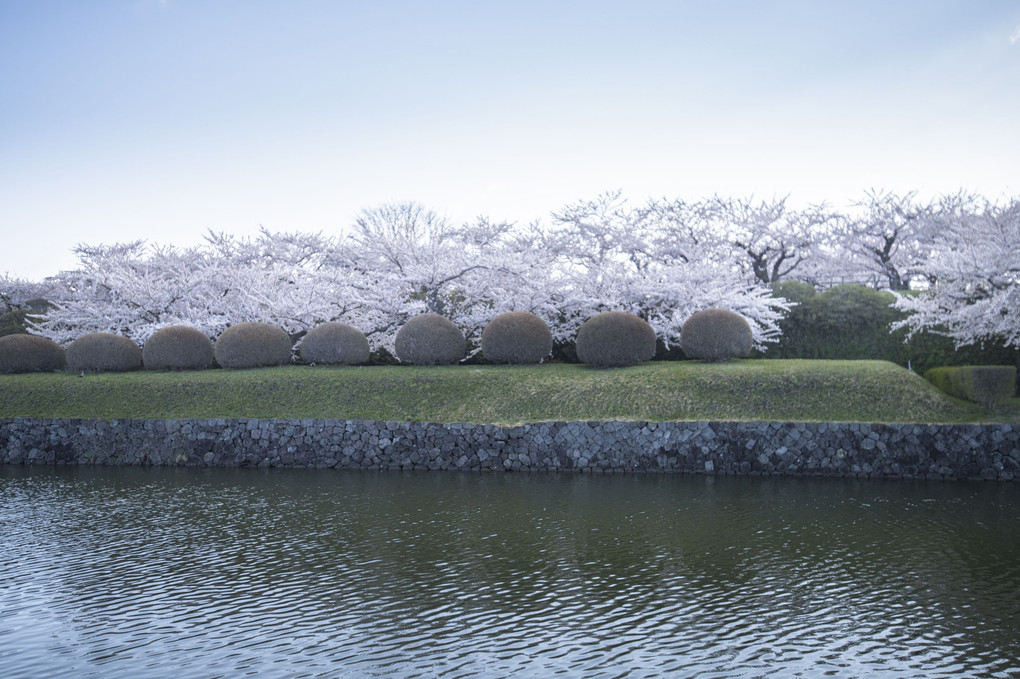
(926, 451)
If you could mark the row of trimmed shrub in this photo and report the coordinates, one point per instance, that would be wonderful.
(612, 338)
(842, 322)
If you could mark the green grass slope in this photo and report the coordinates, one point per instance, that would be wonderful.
(794, 390)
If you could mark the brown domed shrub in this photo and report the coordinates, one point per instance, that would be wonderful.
(430, 339)
(177, 347)
(715, 335)
(516, 337)
(252, 345)
(30, 353)
(98, 351)
(334, 344)
(614, 338)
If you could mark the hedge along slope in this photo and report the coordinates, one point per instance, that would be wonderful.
(430, 339)
(334, 344)
(99, 351)
(615, 338)
(177, 347)
(715, 335)
(30, 353)
(516, 337)
(984, 384)
(252, 345)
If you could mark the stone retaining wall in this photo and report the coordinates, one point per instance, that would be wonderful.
(756, 448)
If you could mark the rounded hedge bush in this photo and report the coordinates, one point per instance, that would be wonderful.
(614, 338)
(430, 339)
(715, 335)
(252, 345)
(177, 347)
(99, 351)
(516, 337)
(334, 344)
(30, 353)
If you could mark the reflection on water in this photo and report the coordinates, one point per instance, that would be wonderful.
(137, 572)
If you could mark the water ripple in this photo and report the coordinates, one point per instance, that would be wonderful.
(134, 573)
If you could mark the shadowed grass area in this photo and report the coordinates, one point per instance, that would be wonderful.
(784, 390)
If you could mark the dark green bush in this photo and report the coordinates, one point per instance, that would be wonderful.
(516, 337)
(430, 339)
(21, 353)
(38, 305)
(843, 322)
(17, 320)
(382, 356)
(14, 322)
(984, 384)
(252, 345)
(99, 351)
(852, 322)
(716, 335)
(614, 338)
(334, 344)
(177, 347)
(797, 292)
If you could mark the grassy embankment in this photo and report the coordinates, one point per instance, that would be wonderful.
(794, 390)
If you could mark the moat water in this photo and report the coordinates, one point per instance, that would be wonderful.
(128, 572)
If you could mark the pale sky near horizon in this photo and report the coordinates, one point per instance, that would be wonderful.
(160, 120)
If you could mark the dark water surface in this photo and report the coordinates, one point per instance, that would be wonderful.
(226, 573)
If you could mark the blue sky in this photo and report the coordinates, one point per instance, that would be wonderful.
(124, 119)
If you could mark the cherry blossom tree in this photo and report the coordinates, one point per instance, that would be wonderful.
(662, 260)
(600, 258)
(656, 262)
(135, 289)
(771, 239)
(974, 263)
(19, 293)
(683, 232)
(887, 234)
(127, 288)
(415, 261)
(293, 280)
